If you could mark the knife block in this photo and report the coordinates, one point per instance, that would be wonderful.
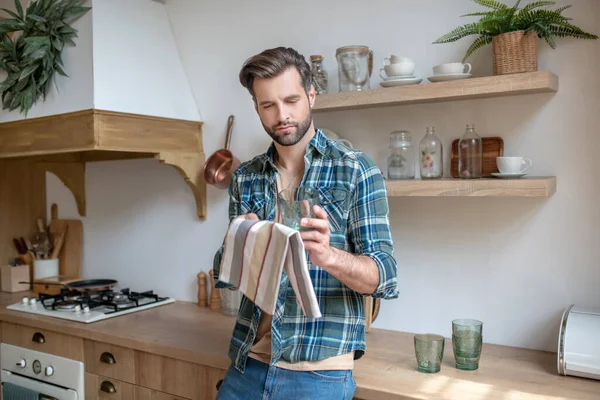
(11, 276)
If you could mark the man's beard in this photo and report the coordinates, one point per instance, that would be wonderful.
(292, 136)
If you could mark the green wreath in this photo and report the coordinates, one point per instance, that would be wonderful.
(31, 44)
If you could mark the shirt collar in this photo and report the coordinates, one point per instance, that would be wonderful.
(318, 143)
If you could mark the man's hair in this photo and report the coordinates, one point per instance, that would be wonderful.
(274, 62)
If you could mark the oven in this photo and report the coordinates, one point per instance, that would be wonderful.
(31, 374)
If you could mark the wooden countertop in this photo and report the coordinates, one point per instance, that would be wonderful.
(387, 371)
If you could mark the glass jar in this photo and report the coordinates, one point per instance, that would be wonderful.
(355, 65)
(401, 160)
(319, 75)
(470, 154)
(431, 163)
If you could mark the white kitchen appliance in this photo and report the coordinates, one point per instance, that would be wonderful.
(50, 376)
(90, 307)
(579, 342)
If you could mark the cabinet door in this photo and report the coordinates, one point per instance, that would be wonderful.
(214, 375)
(181, 378)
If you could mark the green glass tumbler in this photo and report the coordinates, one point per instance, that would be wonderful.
(296, 203)
(467, 342)
(429, 349)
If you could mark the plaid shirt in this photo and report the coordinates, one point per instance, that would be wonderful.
(352, 192)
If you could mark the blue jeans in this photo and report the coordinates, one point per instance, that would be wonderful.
(263, 382)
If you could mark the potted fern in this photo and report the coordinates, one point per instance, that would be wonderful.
(514, 33)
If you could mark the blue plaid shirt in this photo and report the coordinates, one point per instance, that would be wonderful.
(352, 192)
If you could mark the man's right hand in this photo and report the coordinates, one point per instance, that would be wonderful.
(250, 217)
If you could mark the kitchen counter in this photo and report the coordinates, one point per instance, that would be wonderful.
(387, 371)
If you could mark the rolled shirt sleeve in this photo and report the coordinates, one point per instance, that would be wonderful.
(369, 227)
(234, 211)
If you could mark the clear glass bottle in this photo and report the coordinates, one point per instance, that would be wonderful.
(431, 161)
(319, 75)
(470, 154)
(401, 160)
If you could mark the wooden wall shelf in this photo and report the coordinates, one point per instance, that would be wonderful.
(466, 89)
(63, 143)
(486, 187)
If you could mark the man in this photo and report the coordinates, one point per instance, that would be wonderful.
(350, 251)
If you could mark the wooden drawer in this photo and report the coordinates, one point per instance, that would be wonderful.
(178, 377)
(102, 387)
(143, 393)
(109, 360)
(43, 340)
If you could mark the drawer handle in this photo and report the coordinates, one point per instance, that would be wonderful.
(108, 387)
(107, 358)
(38, 338)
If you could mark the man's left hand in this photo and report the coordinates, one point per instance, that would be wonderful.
(316, 241)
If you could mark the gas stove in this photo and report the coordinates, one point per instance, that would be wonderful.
(90, 307)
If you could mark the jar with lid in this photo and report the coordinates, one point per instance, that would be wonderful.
(470, 154)
(355, 65)
(431, 157)
(318, 74)
(401, 160)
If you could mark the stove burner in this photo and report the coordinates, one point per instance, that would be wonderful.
(120, 298)
(72, 296)
(66, 305)
(114, 301)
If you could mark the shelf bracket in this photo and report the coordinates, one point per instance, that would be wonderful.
(72, 174)
(191, 167)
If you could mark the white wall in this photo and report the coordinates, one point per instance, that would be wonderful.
(137, 68)
(75, 92)
(514, 263)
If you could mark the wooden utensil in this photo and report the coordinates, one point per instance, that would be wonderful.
(493, 147)
(70, 255)
(58, 243)
(202, 297)
(215, 295)
(368, 307)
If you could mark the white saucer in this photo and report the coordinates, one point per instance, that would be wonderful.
(448, 77)
(400, 77)
(509, 176)
(400, 82)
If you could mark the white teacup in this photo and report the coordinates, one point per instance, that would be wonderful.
(452, 68)
(398, 69)
(394, 59)
(513, 165)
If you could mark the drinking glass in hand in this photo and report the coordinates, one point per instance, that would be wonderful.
(466, 343)
(429, 350)
(296, 203)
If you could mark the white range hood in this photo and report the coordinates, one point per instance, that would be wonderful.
(125, 60)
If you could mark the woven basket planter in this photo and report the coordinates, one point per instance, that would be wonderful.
(515, 52)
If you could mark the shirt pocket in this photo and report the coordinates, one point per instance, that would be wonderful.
(335, 201)
(256, 206)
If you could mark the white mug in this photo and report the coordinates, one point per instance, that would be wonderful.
(513, 165)
(452, 68)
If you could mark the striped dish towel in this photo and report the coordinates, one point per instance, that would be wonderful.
(255, 254)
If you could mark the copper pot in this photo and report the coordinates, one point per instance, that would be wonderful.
(219, 168)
